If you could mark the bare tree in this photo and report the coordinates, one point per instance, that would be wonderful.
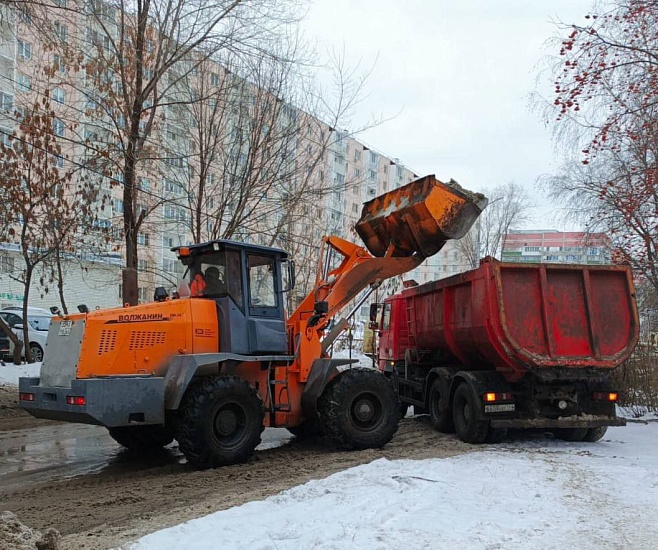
(46, 199)
(507, 209)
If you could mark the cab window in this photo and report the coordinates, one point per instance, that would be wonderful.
(386, 316)
(261, 276)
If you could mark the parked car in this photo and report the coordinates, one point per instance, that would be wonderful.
(38, 320)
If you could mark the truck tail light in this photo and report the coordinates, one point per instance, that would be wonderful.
(26, 396)
(75, 400)
(606, 396)
(490, 397)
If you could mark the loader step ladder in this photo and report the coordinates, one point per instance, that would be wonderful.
(278, 392)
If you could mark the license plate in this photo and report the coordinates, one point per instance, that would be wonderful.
(499, 408)
(65, 328)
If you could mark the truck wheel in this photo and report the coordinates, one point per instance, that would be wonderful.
(142, 438)
(220, 422)
(595, 434)
(464, 406)
(359, 409)
(439, 407)
(571, 434)
(496, 435)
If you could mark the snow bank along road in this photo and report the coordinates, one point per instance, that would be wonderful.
(526, 494)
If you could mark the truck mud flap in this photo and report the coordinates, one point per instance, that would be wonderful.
(111, 402)
(583, 422)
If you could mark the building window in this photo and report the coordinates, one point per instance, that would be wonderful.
(143, 294)
(61, 31)
(373, 157)
(214, 79)
(143, 239)
(24, 83)
(6, 264)
(117, 205)
(357, 154)
(58, 127)
(532, 249)
(142, 265)
(59, 95)
(60, 3)
(6, 103)
(24, 49)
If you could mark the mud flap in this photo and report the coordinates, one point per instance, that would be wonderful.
(322, 371)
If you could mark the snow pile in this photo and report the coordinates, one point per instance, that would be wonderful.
(529, 494)
(637, 413)
(10, 373)
(16, 536)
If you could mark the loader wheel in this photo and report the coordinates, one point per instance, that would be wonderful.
(571, 434)
(439, 407)
(220, 422)
(142, 438)
(306, 430)
(359, 409)
(595, 434)
(468, 427)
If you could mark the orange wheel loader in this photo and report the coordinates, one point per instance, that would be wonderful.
(214, 368)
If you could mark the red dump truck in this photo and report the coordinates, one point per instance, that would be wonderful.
(510, 345)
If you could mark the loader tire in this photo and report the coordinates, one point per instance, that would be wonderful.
(307, 429)
(439, 408)
(595, 434)
(359, 409)
(220, 422)
(142, 438)
(469, 428)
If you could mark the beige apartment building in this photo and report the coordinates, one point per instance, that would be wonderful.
(335, 171)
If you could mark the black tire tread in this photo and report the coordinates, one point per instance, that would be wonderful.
(142, 438)
(442, 423)
(194, 413)
(595, 434)
(475, 431)
(334, 408)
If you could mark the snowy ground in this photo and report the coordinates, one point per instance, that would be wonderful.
(534, 493)
(10, 373)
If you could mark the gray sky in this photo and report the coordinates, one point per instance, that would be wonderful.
(459, 74)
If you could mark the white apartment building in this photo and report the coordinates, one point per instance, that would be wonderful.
(349, 174)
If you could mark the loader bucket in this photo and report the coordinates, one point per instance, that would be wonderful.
(418, 218)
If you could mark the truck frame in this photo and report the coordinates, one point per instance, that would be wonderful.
(511, 345)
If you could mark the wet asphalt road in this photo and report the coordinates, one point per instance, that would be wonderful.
(62, 451)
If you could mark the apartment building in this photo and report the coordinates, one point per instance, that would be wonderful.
(326, 170)
(551, 246)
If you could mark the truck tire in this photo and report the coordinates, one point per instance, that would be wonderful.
(468, 427)
(496, 435)
(220, 422)
(571, 434)
(439, 408)
(359, 409)
(595, 434)
(142, 438)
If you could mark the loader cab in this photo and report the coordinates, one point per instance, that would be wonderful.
(246, 282)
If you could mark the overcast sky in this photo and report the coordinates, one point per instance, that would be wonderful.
(459, 73)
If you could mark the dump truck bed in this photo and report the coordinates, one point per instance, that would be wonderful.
(516, 317)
